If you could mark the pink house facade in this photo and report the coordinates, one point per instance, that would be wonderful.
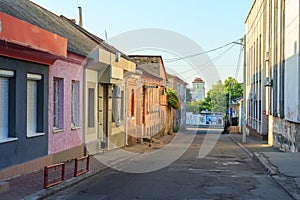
(65, 108)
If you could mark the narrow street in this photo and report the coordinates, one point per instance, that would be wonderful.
(227, 172)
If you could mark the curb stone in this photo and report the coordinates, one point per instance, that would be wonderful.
(265, 163)
(242, 147)
(66, 184)
(286, 183)
(4, 186)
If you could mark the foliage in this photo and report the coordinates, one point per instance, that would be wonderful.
(193, 107)
(188, 95)
(218, 98)
(236, 89)
(172, 98)
(205, 105)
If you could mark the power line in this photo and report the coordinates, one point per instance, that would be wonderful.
(198, 54)
(238, 63)
(210, 61)
(216, 58)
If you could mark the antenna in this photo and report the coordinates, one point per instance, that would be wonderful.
(105, 35)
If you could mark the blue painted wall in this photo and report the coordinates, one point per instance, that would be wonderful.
(24, 149)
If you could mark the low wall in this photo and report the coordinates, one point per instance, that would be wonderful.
(286, 135)
(204, 119)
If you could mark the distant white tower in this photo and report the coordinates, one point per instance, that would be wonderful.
(198, 91)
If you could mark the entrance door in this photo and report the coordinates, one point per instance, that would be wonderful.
(103, 114)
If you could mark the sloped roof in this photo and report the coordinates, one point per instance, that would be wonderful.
(198, 80)
(149, 64)
(171, 76)
(32, 13)
(95, 38)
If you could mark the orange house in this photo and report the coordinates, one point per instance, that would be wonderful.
(150, 101)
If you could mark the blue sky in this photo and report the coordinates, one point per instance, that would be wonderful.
(210, 23)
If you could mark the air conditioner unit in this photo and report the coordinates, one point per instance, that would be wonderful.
(116, 92)
(268, 82)
(267, 55)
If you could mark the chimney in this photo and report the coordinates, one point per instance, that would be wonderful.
(73, 20)
(80, 17)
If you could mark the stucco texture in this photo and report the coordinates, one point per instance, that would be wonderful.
(67, 137)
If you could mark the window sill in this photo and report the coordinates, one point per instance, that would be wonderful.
(75, 127)
(4, 140)
(58, 130)
(35, 135)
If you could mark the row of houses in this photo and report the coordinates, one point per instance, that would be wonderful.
(272, 77)
(66, 93)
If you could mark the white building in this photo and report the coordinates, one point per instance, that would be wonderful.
(272, 72)
(198, 90)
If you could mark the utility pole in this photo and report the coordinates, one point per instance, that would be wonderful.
(229, 99)
(229, 102)
(244, 136)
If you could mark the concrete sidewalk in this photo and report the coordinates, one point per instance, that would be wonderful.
(283, 167)
(30, 186)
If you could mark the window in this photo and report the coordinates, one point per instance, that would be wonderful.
(58, 103)
(91, 107)
(33, 82)
(5, 76)
(118, 105)
(75, 104)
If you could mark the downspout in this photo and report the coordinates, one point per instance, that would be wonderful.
(83, 114)
(126, 113)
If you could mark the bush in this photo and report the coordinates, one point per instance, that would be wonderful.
(173, 100)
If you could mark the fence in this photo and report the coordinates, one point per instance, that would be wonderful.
(54, 174)
(81, 165)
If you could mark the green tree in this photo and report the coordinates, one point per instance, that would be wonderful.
(192, 106)
(188, 95)
(234, 87)
(218, 98)
(206, 103)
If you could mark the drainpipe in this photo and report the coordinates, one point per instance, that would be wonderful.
(83, 110)
(126, 113)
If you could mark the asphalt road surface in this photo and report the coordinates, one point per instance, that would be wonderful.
(227, 172)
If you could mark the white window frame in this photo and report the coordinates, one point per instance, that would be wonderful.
(4, 109)
(32, 117)
(75, 106)
(58, 104)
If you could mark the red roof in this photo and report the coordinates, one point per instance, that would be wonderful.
(197, 80)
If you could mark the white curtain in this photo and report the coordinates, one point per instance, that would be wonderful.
(31, 107)
(4, 107)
